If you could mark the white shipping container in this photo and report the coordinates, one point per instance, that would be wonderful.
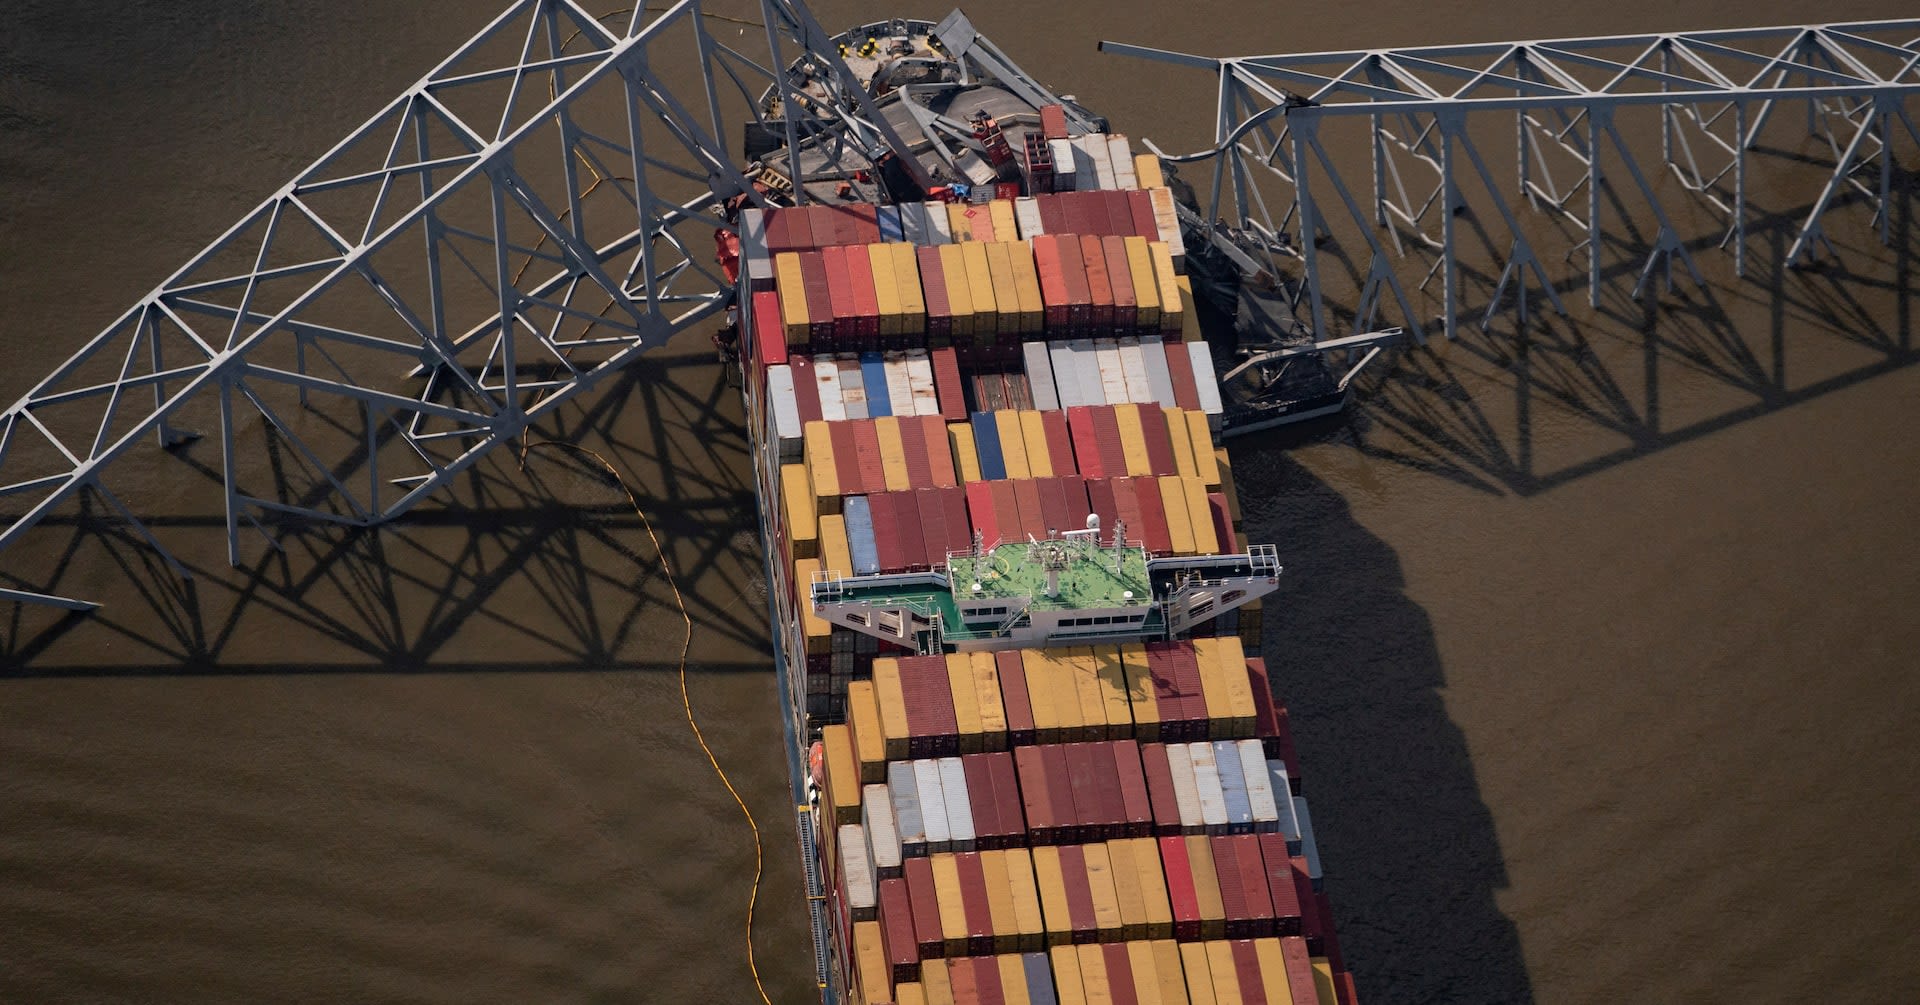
(1086, 363)
(1308, 846)
(1133, 366)
(953, 788)
(939, 230)
(1113, 372)
(1064, 173)
(753, 245)
(1039, 377)
(786, 411)
(926, 394)
(913, 223)
(1159, 378)
(1186, 793)
(1283, 801)
(1206, 780)
(856, 872)
(1205, 382)
(903, 791)
(826, 371)
(933, 806)
(1253, 765)
(1066, 379)
(1086, 173)
(1168, 221)
(1096, 144)
(853, 385)
(1120, 155)
(899, 383)
(1226, 758)
(883, 837)
(1026, 215)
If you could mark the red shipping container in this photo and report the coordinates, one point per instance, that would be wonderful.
(1246, 968)
(1059, 441)
(1126, 509)
(1180, 891)
(866, 301)
(1006, 513)
(776, 224)
(931, 530)
(1140, 204)
(932, 728)
(1153, 429)
(846, 459)
(1186, 393)
(946, 383)
(1106, 432)
(1073, 870)
(913, 445)
(1100, 502)
(1080, 218)
(1233, 893)
(963, 981)
(769, 334)
(1113, 798)
(1120, 273)
(1054, 296)
(1153, 515)
(1013, 693)
(1166, 690)
(1160, 791)
(820, 221)
(1312, 925)
(1079, 296)
(813, 279)
(973, 895)
(1295, 953)
(937, 449)
(987, 984)
(1284, 733)
(1060, 790)
(1083, 780)
(1329, 939)
(1086, 444)
(1053, 122)
(886, 533)
(980, 798)
(897, 939)
(926, 908)
(1251, 860)
(1036, 790)
(1119, 212)
(1033, 520)
(1074, 488)
(953, 508)
(866, 223)
(1265, 723)
(1193, 700)
(1222, 523)
(933, 286)
(1133, 789)
(1053, 214)
(1120, 974)
(1099, 287)
(1343, 989)
(846, 311)
(980, 510)
(806, 388)
(866, 447)
(1006, 790)
(1053, 506)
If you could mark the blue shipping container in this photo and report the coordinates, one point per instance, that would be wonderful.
(986, 444)
(873, 379)
(865, 554)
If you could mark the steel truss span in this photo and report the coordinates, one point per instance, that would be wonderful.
(526, 219)
(1422, 111)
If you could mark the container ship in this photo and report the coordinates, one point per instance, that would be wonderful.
(1036, 756)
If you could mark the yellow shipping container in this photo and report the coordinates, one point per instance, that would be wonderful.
(1066, 975)
(1182, 436)
(966, 702)
(818, 444)
(1205, 540)
(1026, 283)
(1172, 316)
(1094, 982)
(966, 460)
(953, 909)
(1226, 976)
(986, 692)
(1273, 971)
(1142, 703)
(1052, 885)
(1153, 888)
(1013, 443)
(1026, 900)
(1106, 900)
(1146, 290)
(1085, 677)
(1232, 655)
(886, 287)
(1189, 314)
(869, 740)
(1000, 913)
(1179, 524)
(1223, 481)
(1146, 977)
(1004, 227)
(802, 510)
(1206, 887)
(909, 994)
(1112, 674)
(986, 310)
(1214, 687)
(1126, 889)
(1146, 168)
(957, 221)
(1133, 439)
(1199, 973)
(1323, 981)
(836, 554)
(1013, 980)
(893, 706)
(813, 628)
(893, 454)
(936, 983)
(1033, 440)
(906, 276)
(1038, 668)
(843, 775)
(953, 269)
(870, 964)
(793, 296)
(1000, 267)
(1166, 966)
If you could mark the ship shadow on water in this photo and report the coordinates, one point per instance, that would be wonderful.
(1411, 856)
(544, 564)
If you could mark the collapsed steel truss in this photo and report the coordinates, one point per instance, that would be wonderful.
(522, 222)
(1714, 92)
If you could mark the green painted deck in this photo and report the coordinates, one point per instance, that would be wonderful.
(1089, 580)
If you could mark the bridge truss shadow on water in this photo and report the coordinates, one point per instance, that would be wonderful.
(548, 563)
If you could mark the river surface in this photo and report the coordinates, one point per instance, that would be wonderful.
(1600, 649)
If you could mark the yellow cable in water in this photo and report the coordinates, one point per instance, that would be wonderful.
(686, 702)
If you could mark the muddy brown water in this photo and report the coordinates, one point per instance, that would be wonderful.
(1600, 659)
